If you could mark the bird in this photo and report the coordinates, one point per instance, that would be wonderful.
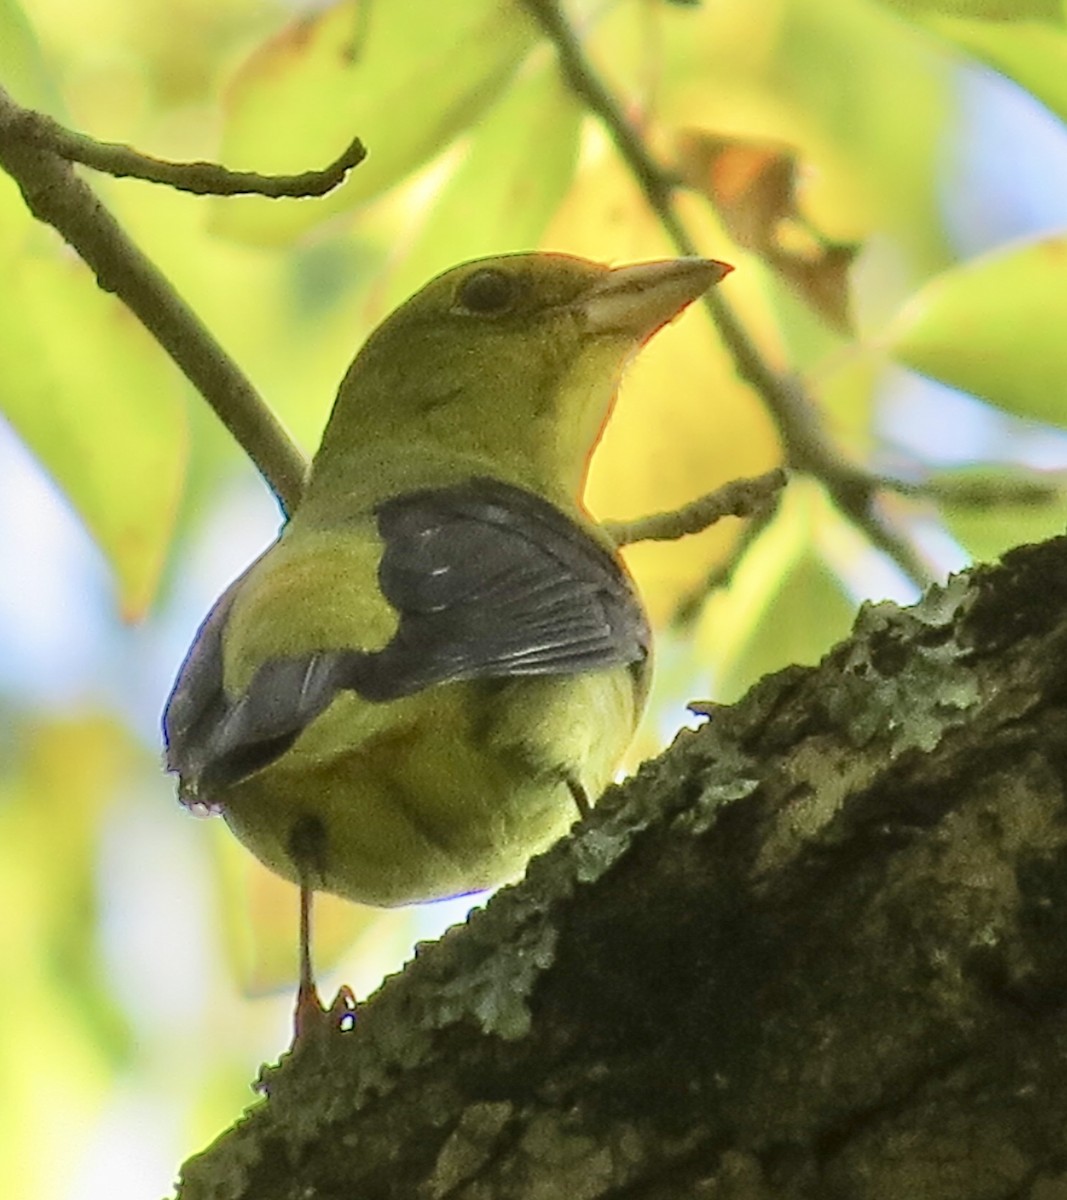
(439, 663)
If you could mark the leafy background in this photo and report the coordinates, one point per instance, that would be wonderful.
(147, 961)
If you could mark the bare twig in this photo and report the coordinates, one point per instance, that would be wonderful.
(807, 445)
(740, 498)
(200, 178)
(55, 195)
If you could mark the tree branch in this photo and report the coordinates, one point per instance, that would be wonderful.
(200, 178)
(55, 195)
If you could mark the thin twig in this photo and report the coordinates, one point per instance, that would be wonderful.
(200, 178)
(808, 447)
(740, 498)
(55, 195)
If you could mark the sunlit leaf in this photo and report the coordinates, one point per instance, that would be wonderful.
(733, 613)
(810, 612)
(500, 197)
(16, 224)
(995, 327)
(405, 76)
(990, 508)
(100, 406)
(683, 424)
(726, 42)
(1032, 53)
(178, 48)
(784, 605)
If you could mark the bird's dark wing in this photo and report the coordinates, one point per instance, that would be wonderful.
(491, 580)
(488, 580)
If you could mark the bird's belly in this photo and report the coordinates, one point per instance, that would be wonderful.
(463, 783)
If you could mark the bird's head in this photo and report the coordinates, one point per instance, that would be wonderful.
(512, 360)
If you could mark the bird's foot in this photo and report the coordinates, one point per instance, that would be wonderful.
(313, 1021)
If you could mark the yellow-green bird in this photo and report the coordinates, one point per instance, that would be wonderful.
(442, 655)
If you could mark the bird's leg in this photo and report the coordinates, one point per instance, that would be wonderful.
(308, 1005)
(311, 1017)
(581, 798)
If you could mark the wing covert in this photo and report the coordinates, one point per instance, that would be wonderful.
(491, 580)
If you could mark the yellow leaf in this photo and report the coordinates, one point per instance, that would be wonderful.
(62, 1037)
(683, 424)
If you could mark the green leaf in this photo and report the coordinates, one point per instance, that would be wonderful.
(500, 198)
(811, 611)
(995, 327)
(784, 604)
(22, 66)
(1032, 53)
(100, 406)
(989, 508)
(405, 76)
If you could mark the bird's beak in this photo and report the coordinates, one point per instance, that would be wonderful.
(638, 300)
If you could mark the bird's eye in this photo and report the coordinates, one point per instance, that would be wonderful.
(486, 292)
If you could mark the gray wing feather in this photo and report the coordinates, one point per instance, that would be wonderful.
(488, 581)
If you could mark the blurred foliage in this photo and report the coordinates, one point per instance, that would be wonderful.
(54, 795)
(994, 327)
(425, 71)
(121, 460)
(815, 138)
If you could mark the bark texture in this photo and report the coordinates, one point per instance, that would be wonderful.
(816, 950)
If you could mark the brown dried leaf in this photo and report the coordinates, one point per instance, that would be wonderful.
(754, 187)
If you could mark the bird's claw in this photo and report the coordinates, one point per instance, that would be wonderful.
(313, 1021)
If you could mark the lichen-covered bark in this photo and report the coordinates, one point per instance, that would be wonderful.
(818, 950)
